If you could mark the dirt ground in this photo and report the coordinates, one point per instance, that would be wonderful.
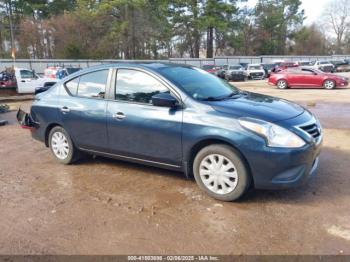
(102, 206)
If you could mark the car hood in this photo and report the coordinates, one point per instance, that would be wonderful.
(258, 106)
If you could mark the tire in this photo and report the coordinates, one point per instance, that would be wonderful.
(62, 147)
(227, 78)
(228, 187)
(282, 84)
(329, 84)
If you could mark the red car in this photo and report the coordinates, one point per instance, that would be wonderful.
(211, 68)
(306, 77)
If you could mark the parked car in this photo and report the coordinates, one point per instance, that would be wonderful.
(284, 65)
(63, 72)
(51, 71)
(221, 72)
(7, 79)
(324, 66)
(268, 69)
(255, 72)
(181, 118)
(304, 63)
(306, 77)
(27, 80)
(341, 66)
(244, 65)
(235, 73)
(211, 68)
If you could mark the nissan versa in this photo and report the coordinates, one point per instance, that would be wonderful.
(181, 118)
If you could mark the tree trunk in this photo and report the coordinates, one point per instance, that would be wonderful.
(210, 41)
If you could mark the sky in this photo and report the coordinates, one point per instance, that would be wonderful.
(313, 8)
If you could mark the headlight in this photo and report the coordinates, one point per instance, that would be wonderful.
(275, 135)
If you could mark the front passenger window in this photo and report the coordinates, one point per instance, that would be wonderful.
(93, 85)
(136, 86)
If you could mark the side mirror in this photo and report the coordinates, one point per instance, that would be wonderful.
(164, 100)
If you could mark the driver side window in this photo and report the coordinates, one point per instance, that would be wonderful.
(27, 74)
(136, 86)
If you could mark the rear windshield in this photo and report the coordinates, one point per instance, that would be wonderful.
(206, 67)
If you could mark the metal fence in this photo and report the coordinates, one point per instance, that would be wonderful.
(40, 64)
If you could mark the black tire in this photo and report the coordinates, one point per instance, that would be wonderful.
(228, 152)
(329, 84)
(73, 153)
(282, 84)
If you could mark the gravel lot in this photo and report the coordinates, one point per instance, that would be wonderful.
(102, 206)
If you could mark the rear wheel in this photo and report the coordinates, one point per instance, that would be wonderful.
(62, 146)
(329, 84)
(221, 173)
(282, 84)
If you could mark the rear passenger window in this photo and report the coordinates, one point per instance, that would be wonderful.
(72, 86)
(93, 85)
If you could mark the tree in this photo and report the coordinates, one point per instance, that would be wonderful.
(310, 41)
(276, 21)
(337, 17)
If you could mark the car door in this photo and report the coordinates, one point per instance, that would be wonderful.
(26, 81)
(83, 110)
(138, 129)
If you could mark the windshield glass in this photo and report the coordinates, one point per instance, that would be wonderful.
(235, 67)
(324, 63)
(197, 83)
(254, 67)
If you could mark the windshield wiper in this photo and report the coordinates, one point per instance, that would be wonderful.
(220, 98)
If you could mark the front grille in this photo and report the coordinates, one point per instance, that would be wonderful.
(256, 74)
(313, 129)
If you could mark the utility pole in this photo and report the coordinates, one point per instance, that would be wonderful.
(13, 48)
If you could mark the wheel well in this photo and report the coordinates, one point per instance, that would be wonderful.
(204, 143)
(47, 132)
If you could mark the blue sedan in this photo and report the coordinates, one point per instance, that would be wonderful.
(181, 118)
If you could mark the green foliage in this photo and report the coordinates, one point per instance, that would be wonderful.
(144, 29)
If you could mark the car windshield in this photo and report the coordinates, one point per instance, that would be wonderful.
(235, 67)
(198, 84)
(324, 63)
(254, 67)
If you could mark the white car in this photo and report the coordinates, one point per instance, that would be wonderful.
(255, 72)
(27, 80)
(324, 66)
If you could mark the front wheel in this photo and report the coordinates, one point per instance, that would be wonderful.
(62, 146)
(329, 84)
(221, 172)
(282, 84)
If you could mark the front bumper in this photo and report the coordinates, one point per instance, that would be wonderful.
(279, 168)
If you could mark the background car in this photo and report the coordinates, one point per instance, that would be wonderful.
(306, 77)
(211, 68)
(221, 72)
(51, 71)
(235, 73)
(341, 66)
(324, 66)
(268, 68)
(7, 79)
(255, 72)
(63, 72)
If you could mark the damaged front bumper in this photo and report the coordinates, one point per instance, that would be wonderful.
(25, 120)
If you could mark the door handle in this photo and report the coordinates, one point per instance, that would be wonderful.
(65, 109)
(119, 115)
(23, 81)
